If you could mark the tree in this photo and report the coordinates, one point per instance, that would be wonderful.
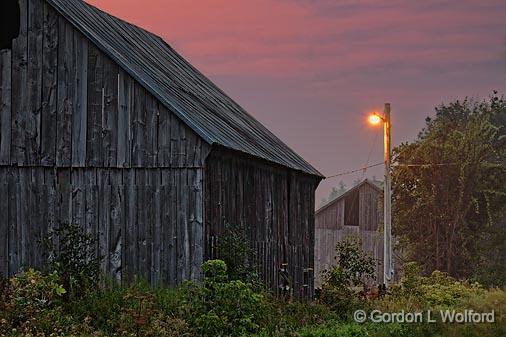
(451, 196)
(335, 193)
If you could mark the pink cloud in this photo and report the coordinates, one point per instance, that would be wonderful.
(293, 39)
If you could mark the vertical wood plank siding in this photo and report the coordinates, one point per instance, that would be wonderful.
(82, 142)
(5, 106)
(74, 107)
(330, 229)
(104, 207)
(274, 205)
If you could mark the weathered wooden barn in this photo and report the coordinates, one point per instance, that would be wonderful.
(104, 125)
(355, 213)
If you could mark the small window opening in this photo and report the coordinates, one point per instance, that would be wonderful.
(351, 208)
(9, 22)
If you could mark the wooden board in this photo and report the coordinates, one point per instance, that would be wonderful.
(5, 107)
(110, 114)
(94, 148)
(49, 87)
(20, 89)
(80, 101)
(66, 92)
(34, 73)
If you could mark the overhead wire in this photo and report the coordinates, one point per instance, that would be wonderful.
(398, 165)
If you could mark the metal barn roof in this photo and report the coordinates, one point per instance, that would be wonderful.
(179, 86)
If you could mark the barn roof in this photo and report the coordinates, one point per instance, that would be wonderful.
(339, 197)
(179, 86)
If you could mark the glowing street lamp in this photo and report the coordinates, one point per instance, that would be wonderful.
(375, 119)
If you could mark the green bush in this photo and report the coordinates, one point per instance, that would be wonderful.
(31, 303)
(234, 249)
(74, 258)
(352, 270)
(437, 290)
(217, 307)
(336, 329)
(285, 318)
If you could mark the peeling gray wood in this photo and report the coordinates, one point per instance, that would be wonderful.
(80, 101)
(49, 87)
(125, 93)
(4, 230)
(20, 89)
(94, 149)
(5, 107)
(66, 91)
(34, 73)
(110, 114)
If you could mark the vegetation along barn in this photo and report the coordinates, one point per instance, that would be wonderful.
(104, 125)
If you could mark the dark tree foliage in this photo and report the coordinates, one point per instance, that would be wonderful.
(449, 208)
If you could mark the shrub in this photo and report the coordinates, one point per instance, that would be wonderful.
(74, 258)
(217, 307)
(235, 250)
(336, 329)
(31, 303)
(438, 289)
(285, 318)
(353, 268)
(100, 310)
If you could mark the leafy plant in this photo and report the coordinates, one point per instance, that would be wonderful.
(235, 250)
(31, 301)
(353, 269)
(218, 307)
(438, 289)
(353, 266)
(73, 255)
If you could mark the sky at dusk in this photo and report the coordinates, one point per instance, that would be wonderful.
(310, 70)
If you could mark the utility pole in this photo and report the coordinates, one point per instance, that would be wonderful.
(387, 244)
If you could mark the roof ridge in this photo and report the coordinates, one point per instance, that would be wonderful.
(339, 197)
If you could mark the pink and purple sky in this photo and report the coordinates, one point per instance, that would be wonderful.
(310, 70)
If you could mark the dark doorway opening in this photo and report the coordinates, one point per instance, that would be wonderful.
(9, 22)
(351, 208)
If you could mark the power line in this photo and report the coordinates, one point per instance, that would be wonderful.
(378, 164)
(427, 165)
(354, 171)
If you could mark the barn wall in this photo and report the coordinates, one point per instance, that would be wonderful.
(330, 230)
(65, 103)
(275, 205)
(82, 142)
(147, 222)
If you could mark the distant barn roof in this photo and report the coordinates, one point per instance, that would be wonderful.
(341, 196)
(179, 86)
